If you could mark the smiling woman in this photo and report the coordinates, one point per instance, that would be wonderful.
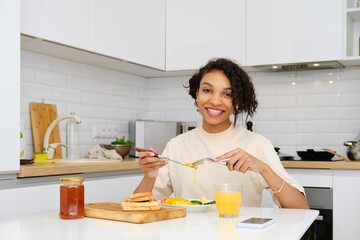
(221, 88)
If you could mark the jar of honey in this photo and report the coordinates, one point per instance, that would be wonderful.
(71, 198)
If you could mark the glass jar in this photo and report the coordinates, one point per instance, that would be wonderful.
(71, 198)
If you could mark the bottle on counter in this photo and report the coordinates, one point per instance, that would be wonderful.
(71, 198)
(72, 139)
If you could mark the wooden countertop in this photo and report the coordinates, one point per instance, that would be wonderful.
(98, 165)
(353, 165)
(72, 166)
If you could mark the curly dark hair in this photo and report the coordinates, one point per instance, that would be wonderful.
(244, 98)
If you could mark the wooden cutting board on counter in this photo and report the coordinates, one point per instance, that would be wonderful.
(42, 115)
(113, 211)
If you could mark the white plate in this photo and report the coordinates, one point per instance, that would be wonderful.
(192, 208)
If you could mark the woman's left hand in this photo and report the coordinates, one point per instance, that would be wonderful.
(240, 160)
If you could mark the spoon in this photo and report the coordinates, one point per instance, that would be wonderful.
(207, 160)
(340, 156)
(166, 158)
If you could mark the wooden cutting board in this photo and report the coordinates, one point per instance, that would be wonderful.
(42, 115)
(113, 211)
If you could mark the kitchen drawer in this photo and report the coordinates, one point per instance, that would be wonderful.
(312, 177)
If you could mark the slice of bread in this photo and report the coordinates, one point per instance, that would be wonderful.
(141, 199)
(140, 194)
(140, 206)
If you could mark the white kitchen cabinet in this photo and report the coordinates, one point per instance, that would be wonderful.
(346, 210)
(10, 82)
(32, 18)
(131, 30)
(69, 22)
(352, 32)
(289, 31)
(197, 31)
(112, 189)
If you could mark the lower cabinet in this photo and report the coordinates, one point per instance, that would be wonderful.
(42, 198)
(345, 198)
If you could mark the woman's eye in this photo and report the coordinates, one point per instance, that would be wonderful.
(206, 90)
(228, 94)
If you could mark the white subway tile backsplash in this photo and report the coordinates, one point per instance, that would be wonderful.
(277, 101)
(350, 99)
(79, 82)
(28, 74)
(82, 110)
(106, 112)
(66, 94)
(105, 87)
(347, 113)
(36, 60)
(93, 98)
(296, 113)
(138, 104)
(320, 110)
(265, 89)
(65, 66)
(319, 126)
(118, 101)
(297, 139)
(339, 86)
(324, 100)
(264, 114)
(164, 104)
(275, 126)
(296, 87)
(328, 139)
(35, 91)
(350, 126)
(127, 91)
(47, 77)
(165, 82)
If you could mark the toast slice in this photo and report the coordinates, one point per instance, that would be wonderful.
(141, 199)
(141, 194)
(140, 206)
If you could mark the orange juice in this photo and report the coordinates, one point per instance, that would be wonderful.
(228, 203)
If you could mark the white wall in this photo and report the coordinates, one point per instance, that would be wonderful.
(313, 113)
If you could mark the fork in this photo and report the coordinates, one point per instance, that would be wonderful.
(208, 160)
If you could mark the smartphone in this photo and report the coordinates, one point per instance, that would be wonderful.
(256, 222)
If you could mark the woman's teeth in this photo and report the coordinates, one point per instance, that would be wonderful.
(214, 112)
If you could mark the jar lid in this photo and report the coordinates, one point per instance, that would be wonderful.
(72, 179)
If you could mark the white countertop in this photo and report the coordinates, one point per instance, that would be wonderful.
(291, 224)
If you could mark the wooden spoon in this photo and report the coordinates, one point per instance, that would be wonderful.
(340, 156)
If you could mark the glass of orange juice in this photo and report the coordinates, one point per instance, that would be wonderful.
(228, 199)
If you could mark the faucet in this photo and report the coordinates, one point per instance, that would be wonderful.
(50, 149)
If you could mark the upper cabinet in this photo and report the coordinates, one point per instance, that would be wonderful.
(197, 31)
(352, 29)
(288, 31)
(131, 30)
(69, 22)
(32, 18)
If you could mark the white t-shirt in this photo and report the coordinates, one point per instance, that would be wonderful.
(197, 144)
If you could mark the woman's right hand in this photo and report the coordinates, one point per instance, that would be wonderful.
(149, 164)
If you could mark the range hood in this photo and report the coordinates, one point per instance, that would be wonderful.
(300, 66)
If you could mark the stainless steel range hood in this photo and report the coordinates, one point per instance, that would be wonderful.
(300, 66)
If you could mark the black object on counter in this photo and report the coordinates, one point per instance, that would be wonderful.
(310, 154)
(249, 125)
(26, 161)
